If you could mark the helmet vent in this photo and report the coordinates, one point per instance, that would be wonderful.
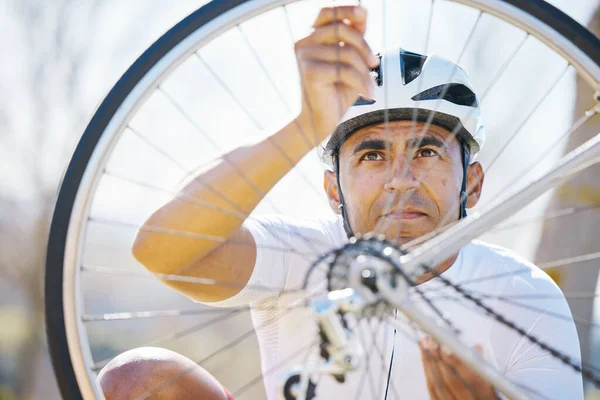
(363, 101)
(376, 73)
(456, 93)
(411, 65)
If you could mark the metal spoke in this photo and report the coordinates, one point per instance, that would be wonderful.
(567, 295)
(489, 87)
(486, 368)
(255, 188)
(227, 89)
(177, 335)
(247, 386)
(508, 300)
(550, 216)
(446, 219)
(212, 355)
(175, 232)
(474, 392)
(547, 93)
(504, 67)
(428, 30)
(392, 197)
(438, 378)
(313, 292)
(448, 243)
(256, 123)
(132, 315)
(274, 85)
(454, 70)
(264, 69)
(436, 310)
(157, 149)
(288, 249)
(178, 278)
(500, 318)
(386, 117)
(430, 118)
(519, 271)
(209, 138)
(178, 195)
(365, 373)
(310, 109)
(337, 59)
(455, 331)
(586, 367)
(578, 124)
(551, 264)
(569, 261)
(390, 381)
(199, 236)
(158, 229)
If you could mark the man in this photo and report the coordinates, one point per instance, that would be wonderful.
(385, 177)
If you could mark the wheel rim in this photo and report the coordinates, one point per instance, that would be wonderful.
(76, 332)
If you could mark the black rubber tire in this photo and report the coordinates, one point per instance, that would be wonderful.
(55, 328)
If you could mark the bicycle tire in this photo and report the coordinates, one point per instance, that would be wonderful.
(579, 36)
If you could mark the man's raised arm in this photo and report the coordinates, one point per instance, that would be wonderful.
(228, 253)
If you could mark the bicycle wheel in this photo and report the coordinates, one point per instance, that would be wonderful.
(186, 84)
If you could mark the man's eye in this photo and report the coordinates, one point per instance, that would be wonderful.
(372, 156)
(426, 153)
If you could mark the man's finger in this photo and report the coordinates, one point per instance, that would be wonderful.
(457, 378)
(332, 34)
(430, 375)
(325, 72)
(472, 383)
(430, 357)
(355, 15)
(333, 54)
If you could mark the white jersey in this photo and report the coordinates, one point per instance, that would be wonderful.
(511, 286)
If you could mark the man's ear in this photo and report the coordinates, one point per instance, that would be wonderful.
(475, 178)
(331, 189)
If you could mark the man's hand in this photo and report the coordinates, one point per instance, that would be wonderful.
(334, 63)
(448, 378)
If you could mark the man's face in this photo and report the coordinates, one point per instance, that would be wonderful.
(399, 182)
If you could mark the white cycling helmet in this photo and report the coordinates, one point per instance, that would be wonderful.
(412, 86)
(418, 87)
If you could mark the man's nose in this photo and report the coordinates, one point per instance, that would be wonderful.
(400, 176)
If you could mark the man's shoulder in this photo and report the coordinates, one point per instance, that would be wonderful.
(507, 265)
(324, 223)
(329, 229)
(481, 249)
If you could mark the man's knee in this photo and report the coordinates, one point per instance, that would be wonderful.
(157, 374)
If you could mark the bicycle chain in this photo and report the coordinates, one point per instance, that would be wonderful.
(500, 318)
(565, 359)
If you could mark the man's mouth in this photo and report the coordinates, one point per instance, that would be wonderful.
(405, 214)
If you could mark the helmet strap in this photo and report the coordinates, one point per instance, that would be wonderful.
(342, 206)
(466, 158)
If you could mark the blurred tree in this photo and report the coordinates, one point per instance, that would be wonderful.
(44, 61)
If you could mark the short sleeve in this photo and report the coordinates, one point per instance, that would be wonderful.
(285, 247)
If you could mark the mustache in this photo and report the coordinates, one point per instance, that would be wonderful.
(397, 201)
